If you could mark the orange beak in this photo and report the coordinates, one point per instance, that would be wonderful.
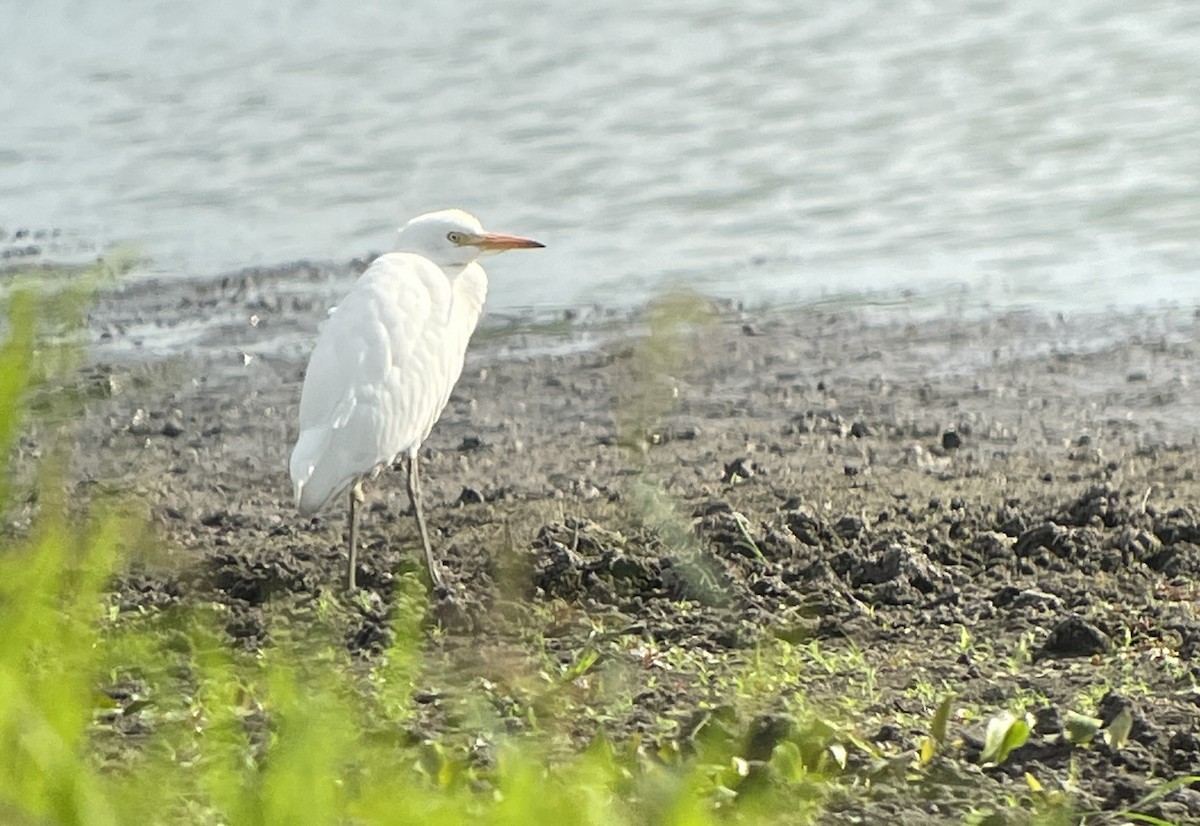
(495, 242)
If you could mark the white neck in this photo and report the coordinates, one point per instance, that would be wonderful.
(470, 285)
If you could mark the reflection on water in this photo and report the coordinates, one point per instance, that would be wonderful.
(1004, 153)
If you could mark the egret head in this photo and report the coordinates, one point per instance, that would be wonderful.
(453, 238)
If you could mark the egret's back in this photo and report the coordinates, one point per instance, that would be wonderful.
(381, 372)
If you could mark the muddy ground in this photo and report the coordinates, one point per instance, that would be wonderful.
(892, 507)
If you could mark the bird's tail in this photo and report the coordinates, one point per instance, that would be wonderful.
(313, 483)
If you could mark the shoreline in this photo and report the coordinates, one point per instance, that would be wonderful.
(151, 318)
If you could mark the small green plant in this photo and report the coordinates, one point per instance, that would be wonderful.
(966, 640)
(1022, 655)
(1005, 732)
(928, 746)
(747, 538)
(1081, 729)
(1116, 733)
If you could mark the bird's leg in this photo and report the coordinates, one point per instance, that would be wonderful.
(356, 498)
(414, 495)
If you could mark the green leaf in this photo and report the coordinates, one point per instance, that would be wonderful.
(1080, 728)
(941, 719)
(1005, 732)
(1117, 732)
(1153, 821)
(839, 754)
(926, 750)
(582, 665)
(788, 761)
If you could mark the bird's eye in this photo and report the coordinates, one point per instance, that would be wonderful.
(454, 237)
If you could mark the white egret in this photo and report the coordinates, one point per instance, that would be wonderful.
(386, 360)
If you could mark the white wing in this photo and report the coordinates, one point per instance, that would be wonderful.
(380, 373)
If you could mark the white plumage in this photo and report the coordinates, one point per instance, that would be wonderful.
(386, 361)
(381, 372)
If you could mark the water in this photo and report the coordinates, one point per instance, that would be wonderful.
(982, 154)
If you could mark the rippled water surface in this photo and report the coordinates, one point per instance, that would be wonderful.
(981, 153)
